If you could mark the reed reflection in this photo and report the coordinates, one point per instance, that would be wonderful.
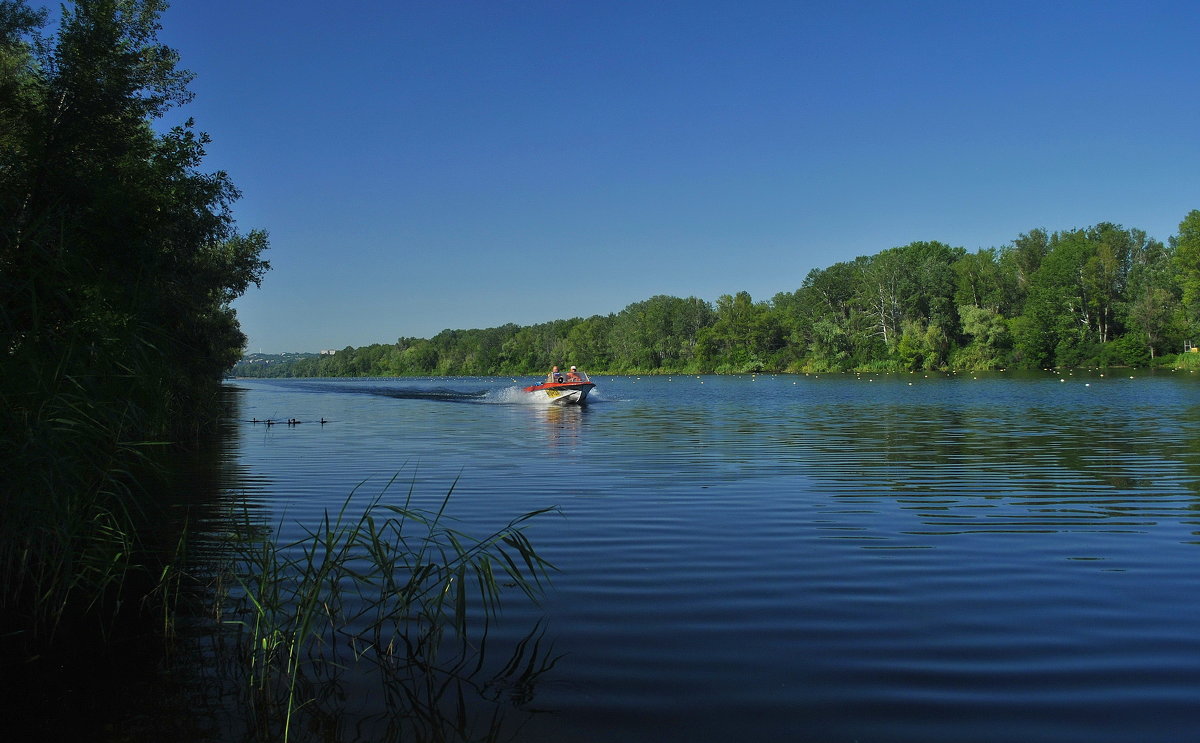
(484, 690)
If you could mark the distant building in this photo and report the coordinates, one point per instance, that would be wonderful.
(328, 353)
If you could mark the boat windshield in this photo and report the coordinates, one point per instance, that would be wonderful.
(568, 377)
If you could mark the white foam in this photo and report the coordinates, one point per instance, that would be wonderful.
(514, 396)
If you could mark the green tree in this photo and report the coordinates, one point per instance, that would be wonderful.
(659, 333)
(1028, 251)
(914, 283)
(990, 338)
(1186, 247)
(1106, 273)
(742, 336)
(882, 287)
(980, 280)
(112, 231)
(820, 317)
(119, 260)
(587, 343)
(1059, 309)
(1151, 310)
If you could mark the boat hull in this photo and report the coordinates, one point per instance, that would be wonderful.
(565, 393)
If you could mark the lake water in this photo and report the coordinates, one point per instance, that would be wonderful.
(978, 557)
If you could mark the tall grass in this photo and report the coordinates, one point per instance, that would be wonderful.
(392, 588)
(73, 506)
(1189, 361)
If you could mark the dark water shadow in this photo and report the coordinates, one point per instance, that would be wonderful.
(138, 680)
(440, 394)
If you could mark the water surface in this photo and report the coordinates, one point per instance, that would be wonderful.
(838, 558)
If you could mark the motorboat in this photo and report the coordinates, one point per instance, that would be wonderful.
(572, 390)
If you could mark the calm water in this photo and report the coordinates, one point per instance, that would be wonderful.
(835, 558)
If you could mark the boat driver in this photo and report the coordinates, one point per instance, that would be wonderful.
(555, 376)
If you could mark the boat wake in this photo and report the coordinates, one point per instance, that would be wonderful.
(515, 395)
(502, 396)
(445, 395)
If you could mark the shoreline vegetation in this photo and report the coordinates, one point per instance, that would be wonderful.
(119, 259)
(1094, 297)
(120, 617)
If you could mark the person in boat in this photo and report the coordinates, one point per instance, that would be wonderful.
(573, 375)
(555, 376)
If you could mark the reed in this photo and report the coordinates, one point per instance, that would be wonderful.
(70, 514)
(392, 587)
(86, 418)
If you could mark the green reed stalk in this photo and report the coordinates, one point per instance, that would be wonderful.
(81, 415)
(384, 585)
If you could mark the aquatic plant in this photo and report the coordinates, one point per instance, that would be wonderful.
(75, 476)
(394, 587)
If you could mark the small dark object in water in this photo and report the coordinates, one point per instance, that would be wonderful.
(289, 421)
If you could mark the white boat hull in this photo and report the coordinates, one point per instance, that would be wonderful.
(566, 397)
(563, 393)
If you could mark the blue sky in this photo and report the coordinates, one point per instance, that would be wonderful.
(464, 164)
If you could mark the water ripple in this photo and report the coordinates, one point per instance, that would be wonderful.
(993, 559)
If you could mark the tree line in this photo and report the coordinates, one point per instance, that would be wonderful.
(1098, 296)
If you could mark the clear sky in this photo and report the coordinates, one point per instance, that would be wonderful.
(468, 163)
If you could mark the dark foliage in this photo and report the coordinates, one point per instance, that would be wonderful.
(119, 258)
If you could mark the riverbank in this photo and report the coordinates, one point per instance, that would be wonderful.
(287, 367)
